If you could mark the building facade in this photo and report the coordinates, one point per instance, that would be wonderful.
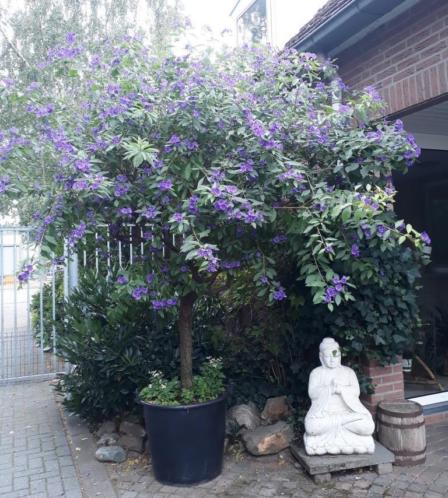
(401, 48)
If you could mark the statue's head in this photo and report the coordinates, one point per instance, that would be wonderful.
(329, 353)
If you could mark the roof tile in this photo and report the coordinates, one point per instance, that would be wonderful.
(324, 14)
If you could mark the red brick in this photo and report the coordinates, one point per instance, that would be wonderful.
(407, 57)
(435, 418)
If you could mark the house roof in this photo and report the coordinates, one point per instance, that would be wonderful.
(339, 20)
(324, 14)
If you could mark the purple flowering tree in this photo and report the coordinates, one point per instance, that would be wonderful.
(224, 168)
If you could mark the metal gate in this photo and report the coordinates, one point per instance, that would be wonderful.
(28, 337)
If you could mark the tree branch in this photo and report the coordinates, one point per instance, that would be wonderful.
(14, 48)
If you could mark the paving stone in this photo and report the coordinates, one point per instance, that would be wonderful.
(29, 456)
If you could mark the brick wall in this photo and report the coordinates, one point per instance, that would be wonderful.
(387, 381)
(406, 60)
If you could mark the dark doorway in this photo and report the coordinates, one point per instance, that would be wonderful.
(422, 200)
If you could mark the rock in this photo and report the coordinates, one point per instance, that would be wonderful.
(132, 429)
(115, 454)
(269, 439)
(276, 409)
(107, 427)
(244, 416)
(108, 439)
(132, 443)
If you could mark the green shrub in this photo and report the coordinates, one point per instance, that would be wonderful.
(113, 342)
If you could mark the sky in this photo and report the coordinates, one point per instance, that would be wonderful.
(290, 15)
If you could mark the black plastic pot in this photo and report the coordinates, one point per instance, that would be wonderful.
(186, 442)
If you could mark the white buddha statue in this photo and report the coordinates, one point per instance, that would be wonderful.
(337, 422)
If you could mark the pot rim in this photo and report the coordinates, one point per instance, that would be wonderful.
(182, 407)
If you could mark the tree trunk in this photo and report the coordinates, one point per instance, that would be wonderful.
(185, 325)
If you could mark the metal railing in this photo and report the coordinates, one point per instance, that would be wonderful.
(28, 338)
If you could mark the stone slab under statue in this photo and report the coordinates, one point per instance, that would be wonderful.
(321, 467)
(337, 422)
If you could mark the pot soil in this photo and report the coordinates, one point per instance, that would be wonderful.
(186, 443)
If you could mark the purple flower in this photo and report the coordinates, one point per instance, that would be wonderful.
(355, 251)
(190, 144)
(76, 234)
(193, 204)
(126, 211)
(150, 212)
(165, 185)
(230, 265)
(150, 278)
(121, 189)
(376, 97)
(178, 217)
(213, 265)
(426, 239)
(247, 167)
(264, 280)
(291, 174)
(174, 140)
(139, 292)
(375, 135)
(4, 182)
(330, 294)
(257, 128)
(380, 230)
(205, 252)
(26, 273)
(279, 294)
(366, 230)
(279, 239)
(398, 125)
(160, 304)
(329, 249)
(122, 280)
(80, 184)
(252, 216)
(222, 205)
(82, 165)
(70, 38)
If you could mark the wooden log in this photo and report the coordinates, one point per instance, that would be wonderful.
(401, 429)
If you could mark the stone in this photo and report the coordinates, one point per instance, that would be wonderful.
(276, 409)
(114, 454)
(108, 439)
(268, 439)
(246, 416)
(132, 429)
(337, 422)
(132, 443)
(384, 468)
(107, 427)
(326, 464)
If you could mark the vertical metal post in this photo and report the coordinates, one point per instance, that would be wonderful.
(2, 310)
(108, 253)
(97, 261)
(16, 354)
(53, 311)
(131, 250)
(70, 272)
(41, 322)
(29, 330)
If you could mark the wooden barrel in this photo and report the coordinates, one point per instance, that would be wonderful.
(401, 429)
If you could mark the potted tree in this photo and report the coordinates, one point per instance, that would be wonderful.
(214, 168)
